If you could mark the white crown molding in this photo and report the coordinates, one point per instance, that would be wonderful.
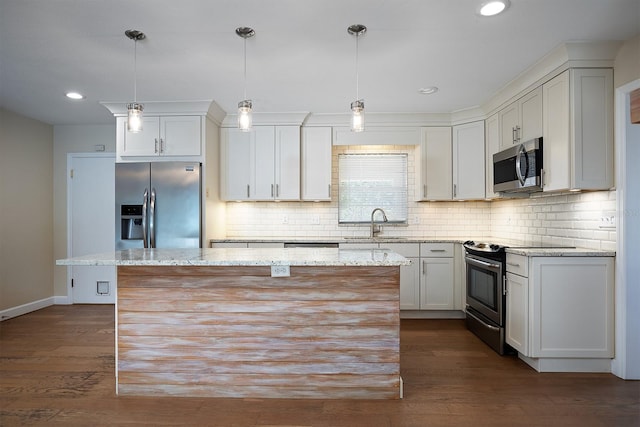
(567, 55)
(294, 118)
(206, 107)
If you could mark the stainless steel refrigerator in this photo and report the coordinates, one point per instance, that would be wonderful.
(158, 205)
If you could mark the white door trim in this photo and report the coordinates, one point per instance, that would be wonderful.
(626, 322)
(70, 157)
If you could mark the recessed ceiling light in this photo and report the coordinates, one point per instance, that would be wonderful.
(427, 90)
(74, 95)
(491, 8)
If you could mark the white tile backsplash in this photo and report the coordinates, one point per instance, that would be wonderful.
(571, 219)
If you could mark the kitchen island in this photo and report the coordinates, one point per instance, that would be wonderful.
(256, 323)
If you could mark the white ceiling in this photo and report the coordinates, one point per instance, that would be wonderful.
(301, 59)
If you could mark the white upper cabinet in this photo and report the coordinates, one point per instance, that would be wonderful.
(521, 120)
(434, 164)
(263, 164)
(578, 130)
(235, 164)
(287, 163)
(492, 146)
(316, 163)
(468, 161)
(172, 136)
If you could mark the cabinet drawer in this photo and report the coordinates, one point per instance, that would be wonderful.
(404, 249)
(518, 264)
(436, 250)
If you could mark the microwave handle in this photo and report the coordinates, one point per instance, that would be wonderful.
(521, 152)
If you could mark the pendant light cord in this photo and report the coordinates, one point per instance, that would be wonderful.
(357, 70)
(135, 70)
(245, 68)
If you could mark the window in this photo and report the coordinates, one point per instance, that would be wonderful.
(369, 181)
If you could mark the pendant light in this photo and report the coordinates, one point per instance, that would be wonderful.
(357, 106)
(244, 106)
(134, 109)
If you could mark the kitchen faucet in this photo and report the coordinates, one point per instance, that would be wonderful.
(374, 228)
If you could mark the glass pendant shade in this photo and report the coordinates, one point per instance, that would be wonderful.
(244, 115)
(134, 117)
(357, 116)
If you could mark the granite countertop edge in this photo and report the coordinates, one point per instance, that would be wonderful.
(561, 252)
(526, 251)
(241, 257)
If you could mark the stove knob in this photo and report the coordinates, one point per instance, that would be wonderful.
(494, 247)
(469, 243)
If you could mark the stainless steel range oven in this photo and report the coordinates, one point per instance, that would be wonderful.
(486, 301)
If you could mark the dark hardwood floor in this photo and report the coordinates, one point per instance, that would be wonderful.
(57, 369)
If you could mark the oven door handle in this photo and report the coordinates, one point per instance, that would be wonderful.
(479, 263)
(493, 328)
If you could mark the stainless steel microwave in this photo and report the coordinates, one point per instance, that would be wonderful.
(518, 168)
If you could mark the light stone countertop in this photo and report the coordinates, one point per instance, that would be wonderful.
(559, 251)
(514, 247)
(242, 257)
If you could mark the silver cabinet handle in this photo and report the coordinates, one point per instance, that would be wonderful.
(277, 190)
(248, 193)
(145, 196)
(437, 250)
(162, 145)
(455, 190)
(329, 190)
(424, 190)
(424, 267)
(513, 135)
(271, 190)
(156, 145)
(152, 219)
(513, 264)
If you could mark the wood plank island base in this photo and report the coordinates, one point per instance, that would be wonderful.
(217, 323)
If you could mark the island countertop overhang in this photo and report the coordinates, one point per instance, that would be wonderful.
(241, 257)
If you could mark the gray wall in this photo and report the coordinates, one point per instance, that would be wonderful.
(26, 201)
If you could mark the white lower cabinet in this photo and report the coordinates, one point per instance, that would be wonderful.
(560, 312)
(436, 284)
(517, 319)
(426, 284)
(409, 274)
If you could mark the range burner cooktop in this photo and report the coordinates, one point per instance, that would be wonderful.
(484, 246)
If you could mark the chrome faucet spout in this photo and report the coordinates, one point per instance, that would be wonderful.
(374, 228)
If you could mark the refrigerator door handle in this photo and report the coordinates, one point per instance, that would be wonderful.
(145, 197)
(152, 219)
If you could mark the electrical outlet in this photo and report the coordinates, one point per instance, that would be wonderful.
(285, 219)
(608, 220)
(315, 219)
(280, 271)
(416, 219)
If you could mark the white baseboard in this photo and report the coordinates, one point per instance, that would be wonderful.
(62, 300)
(27, 308)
